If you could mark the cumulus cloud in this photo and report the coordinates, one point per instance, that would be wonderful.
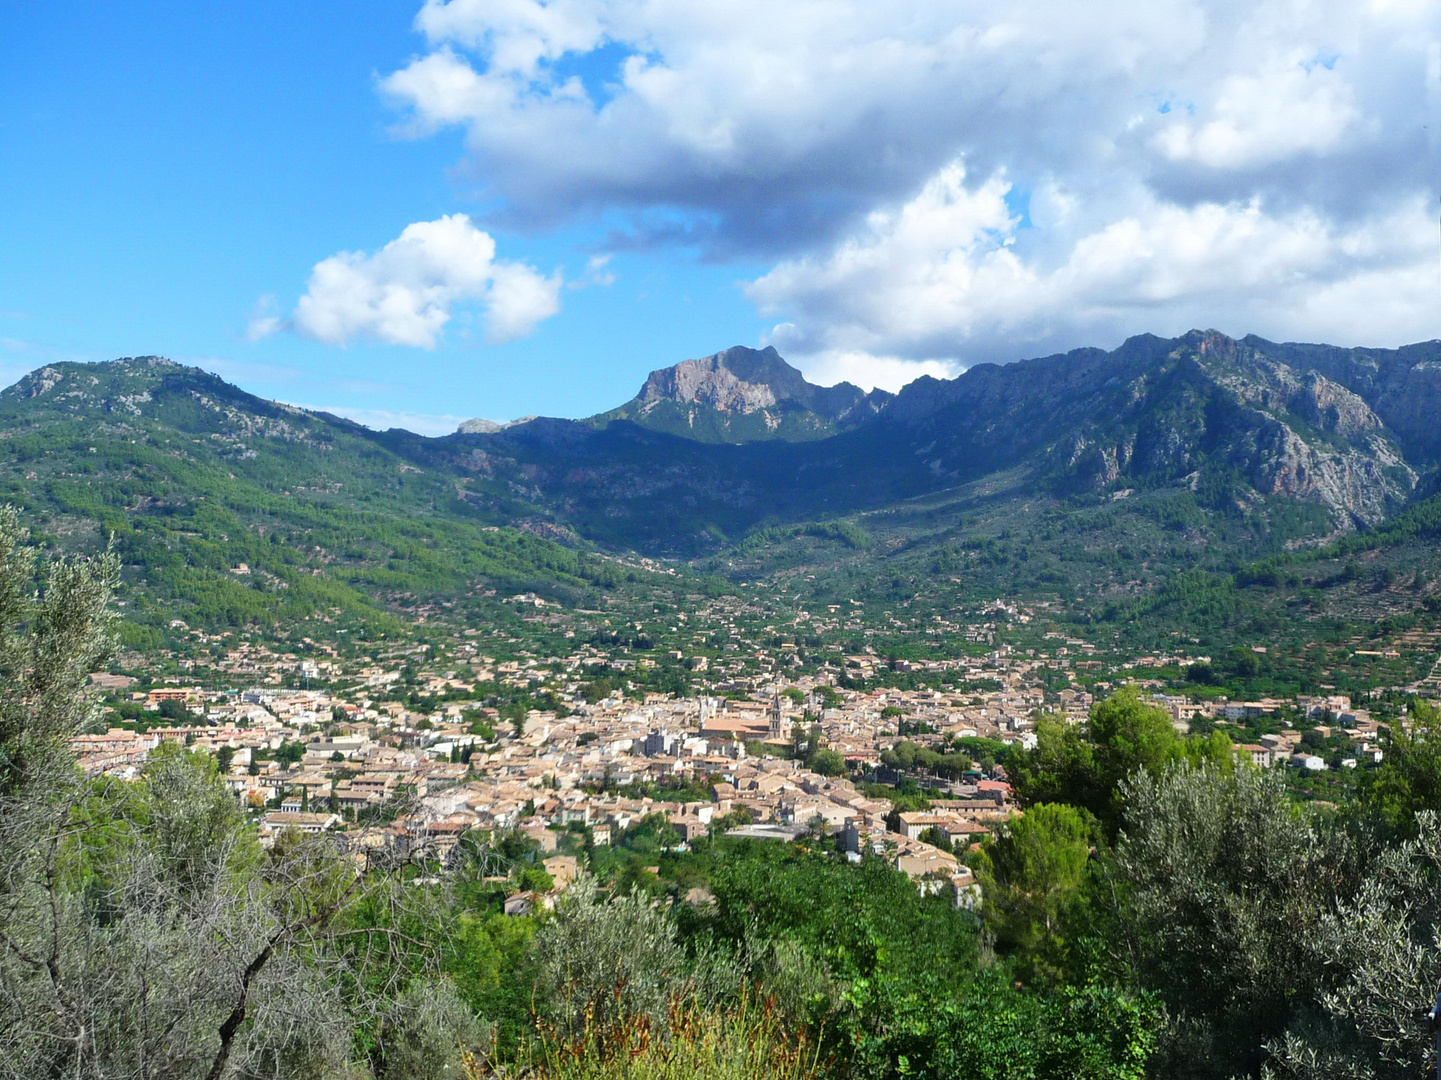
(1292, 105)
(935, 183)
(863, 369)
(405, 293)
(943, 277)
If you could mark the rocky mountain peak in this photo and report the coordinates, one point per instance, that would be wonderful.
(735, 380)
(741, 395)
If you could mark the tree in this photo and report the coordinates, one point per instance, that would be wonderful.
(1029, 875)
(1061, 769)
(142, 930)
(936, 837)
(419, 1033)
(1124, 735)
(1381, 943)
(995, 1031)
(602, 965)
(1225, 884)
(1129, 735)
(1408, 780)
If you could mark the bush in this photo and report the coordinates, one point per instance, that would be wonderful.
(425, 1033)
(610, 965)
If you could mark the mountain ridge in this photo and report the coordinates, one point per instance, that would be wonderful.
(1228, 420)
(1236, 423)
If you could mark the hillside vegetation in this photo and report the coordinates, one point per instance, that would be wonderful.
(226, 510)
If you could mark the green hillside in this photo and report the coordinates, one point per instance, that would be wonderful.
(227, 510)
(231, 511)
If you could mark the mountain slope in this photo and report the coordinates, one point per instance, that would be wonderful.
(228, 510)
(1402, 385)
(1202, 409)
(1222, 419)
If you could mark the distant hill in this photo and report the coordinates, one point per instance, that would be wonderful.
(227, 509)
(744, 395)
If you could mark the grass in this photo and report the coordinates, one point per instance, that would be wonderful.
(744, 1042)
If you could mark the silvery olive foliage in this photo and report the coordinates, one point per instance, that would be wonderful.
(601, 963)
(420, 1031)
(144, 933)
(1383, 948)
(1226, 884)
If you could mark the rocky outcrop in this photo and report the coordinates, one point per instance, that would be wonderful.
(1162, 412)
(1401, 386)
(745, 395)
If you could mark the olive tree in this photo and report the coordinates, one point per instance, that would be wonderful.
(143, 931)
(602, 964)
(1383, 945)
(1225, 884)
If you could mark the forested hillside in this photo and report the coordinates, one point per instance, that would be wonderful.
(225, 509)
(1093, 478)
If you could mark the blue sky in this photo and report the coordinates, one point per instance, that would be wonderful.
(163, 166)
(879, 190)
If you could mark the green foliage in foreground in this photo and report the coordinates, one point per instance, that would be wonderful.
(1124, 735)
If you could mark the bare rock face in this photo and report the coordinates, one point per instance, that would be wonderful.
(747, 380)
(479, 426)
(1402, 386)
(1159, 412)
(1363, 483)
(708, 382)
(1309, 437)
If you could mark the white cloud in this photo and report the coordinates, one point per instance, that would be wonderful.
(596, 273)
(263, 320)
(1292, 105)
(936, 183)
(859, 368)
(404, 293)
(942, 277)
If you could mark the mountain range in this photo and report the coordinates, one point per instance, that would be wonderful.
(1290, 444)
(739, 439)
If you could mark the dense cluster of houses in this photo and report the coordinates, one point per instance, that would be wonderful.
(358, 760)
